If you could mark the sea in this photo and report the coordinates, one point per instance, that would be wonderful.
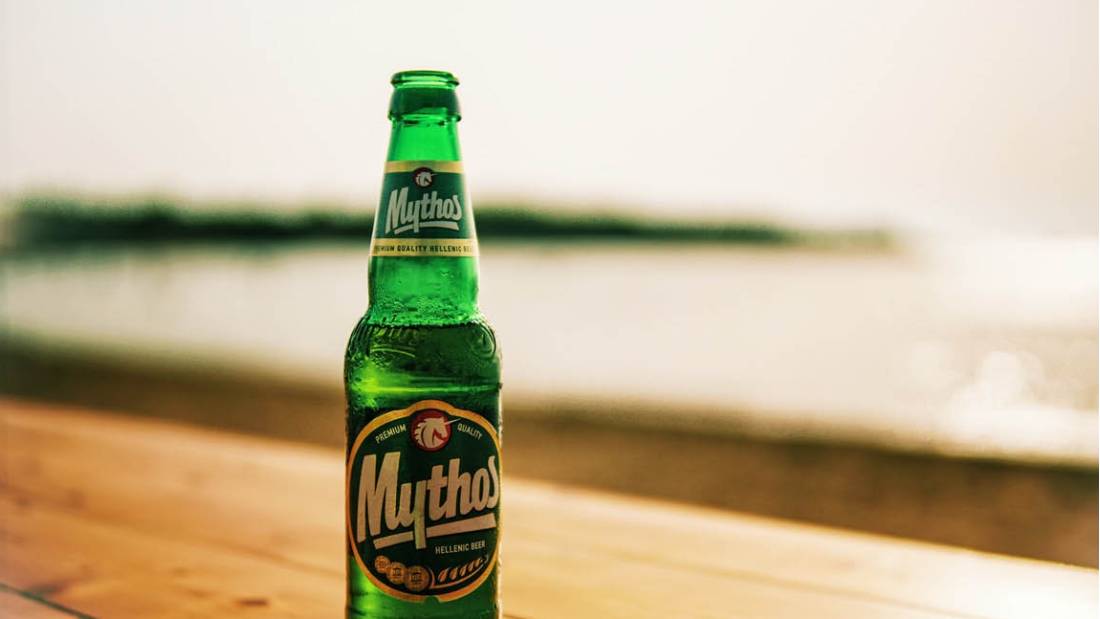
(980, 347)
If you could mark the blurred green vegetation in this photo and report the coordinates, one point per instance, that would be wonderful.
(39, 220)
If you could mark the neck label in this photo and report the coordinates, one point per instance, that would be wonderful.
(424, 211)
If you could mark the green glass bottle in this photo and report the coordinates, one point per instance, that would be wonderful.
(422, 378)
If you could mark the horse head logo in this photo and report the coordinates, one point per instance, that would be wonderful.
(430, 430)
(423, 177)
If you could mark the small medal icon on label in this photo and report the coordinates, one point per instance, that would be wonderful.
(396, 573)
(382, 564)
(417, 578)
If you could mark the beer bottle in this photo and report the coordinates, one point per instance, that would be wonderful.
(422, 379)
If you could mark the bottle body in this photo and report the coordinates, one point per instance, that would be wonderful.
(430, 369)
(422, 380)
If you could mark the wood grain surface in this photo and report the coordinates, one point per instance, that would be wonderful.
(109, 516)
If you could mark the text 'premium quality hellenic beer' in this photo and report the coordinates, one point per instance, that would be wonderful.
(422, 377)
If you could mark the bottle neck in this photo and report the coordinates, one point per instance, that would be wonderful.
(423, 287)
(422, 137)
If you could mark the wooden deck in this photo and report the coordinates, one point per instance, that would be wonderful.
(108, 516)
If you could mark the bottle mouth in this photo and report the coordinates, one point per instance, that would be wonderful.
(426, 78)
(424, 93)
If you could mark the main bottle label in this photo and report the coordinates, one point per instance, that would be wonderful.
(423, 487)
(424, 211)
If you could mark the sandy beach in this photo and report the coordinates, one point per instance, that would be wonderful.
(1043, 512)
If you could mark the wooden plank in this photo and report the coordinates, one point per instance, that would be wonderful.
(13, 605)
(111, 571)
(108, 571)
(218, 487)
(255, 513)
(918, 576)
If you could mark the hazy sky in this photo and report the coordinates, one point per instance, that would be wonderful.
(979, 113)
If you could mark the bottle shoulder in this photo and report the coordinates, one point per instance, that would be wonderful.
(458, 356)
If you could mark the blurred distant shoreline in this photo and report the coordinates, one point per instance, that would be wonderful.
(45, 220)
